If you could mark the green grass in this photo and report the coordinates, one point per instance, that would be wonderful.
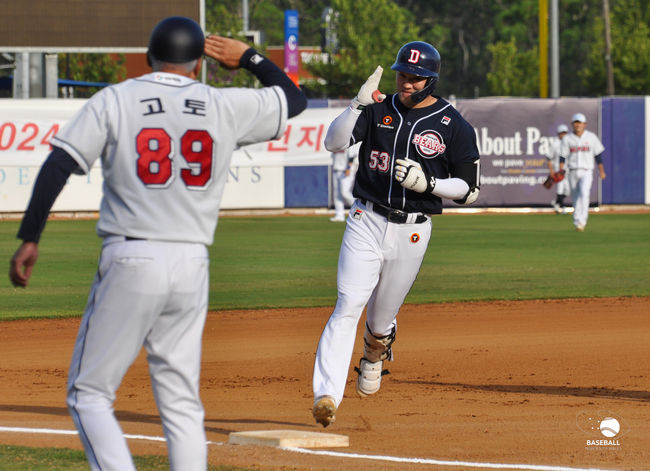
(290, 261)
(21, 458)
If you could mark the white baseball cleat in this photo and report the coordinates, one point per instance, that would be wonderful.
(369, 379)
(580, 228)
(324, 410)
(337, 219)
(556, 207)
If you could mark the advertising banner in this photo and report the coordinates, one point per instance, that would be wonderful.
(291, 57)
(255, 178)
(513, 137)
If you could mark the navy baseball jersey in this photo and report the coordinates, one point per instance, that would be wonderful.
(437, 137)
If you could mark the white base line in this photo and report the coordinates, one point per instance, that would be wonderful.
(465, 464)
(74, 432)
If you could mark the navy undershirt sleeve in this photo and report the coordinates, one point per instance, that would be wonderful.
(50, 181)
(270, 74)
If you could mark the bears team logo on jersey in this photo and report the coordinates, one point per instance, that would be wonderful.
(415, 237)
(429, 144)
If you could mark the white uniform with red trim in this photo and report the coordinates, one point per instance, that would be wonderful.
(165, 143)
(580, 153)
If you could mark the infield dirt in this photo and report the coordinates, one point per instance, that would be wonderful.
(502, 382)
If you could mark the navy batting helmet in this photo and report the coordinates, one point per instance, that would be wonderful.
(421, 59)
(176, 39)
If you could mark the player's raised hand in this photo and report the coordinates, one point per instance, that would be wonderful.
(226, 51)
(369, 92)
(21, 264)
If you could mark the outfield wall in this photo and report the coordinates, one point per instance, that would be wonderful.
(513, 135)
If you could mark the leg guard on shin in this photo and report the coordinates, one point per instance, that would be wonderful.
(378, 348)
(375, 351)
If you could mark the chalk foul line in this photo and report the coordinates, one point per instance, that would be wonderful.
(395, 459)
(465, 464)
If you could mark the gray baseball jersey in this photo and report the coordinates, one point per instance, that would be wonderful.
(580, 151)
(143, 151)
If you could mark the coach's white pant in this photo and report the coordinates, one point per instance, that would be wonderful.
(378, 264)
(145, 293)
(580, 180)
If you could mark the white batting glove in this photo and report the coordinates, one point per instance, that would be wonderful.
(369, 93)
(410, 175)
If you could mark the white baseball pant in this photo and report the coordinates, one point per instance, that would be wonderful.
(563, 187)
(580, 180)
(145, 293)
(378, 264)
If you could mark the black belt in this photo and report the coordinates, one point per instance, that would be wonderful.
(394, 215)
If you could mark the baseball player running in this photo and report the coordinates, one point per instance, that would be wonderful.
(553, 160)
(165, 141)
(578, 152)
(415, 150)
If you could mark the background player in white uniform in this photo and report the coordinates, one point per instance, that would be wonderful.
(415, 149)
(165, 143)
(553, 160)
(580, 149)
(344, 164)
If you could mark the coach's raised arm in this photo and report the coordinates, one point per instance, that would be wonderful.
(233, 54)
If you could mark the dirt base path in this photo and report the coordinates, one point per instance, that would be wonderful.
(524, 383)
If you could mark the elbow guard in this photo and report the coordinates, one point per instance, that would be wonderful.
(470, 197)
(471, 173)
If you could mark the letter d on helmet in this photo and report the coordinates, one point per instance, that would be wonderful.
(176, 39)
(421, 59)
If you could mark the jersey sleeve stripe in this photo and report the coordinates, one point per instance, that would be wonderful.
(73, 152)
(284, 111)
